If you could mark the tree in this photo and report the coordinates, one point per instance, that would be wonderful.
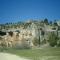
(50, 22)
(55, 23)
(46, 21)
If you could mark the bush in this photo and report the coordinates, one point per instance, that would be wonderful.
(46, 21)
(53, 39)
(35, 41)
(58, 43)
(10, 33)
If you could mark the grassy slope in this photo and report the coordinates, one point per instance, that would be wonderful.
(38, 54)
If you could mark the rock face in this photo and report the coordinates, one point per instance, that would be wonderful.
(25, 37)
(16, 39)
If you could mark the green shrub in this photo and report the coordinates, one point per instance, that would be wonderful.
(53, 39)
(35, 41)
(58, 43)
(11, 33)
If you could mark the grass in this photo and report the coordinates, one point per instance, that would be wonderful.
(37, 54)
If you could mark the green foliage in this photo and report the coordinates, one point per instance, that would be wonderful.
(42, 32)
(50, 22)
(58, 27)
(55, 23)
(44, 41)
(35, 41)
(53, 38)
(11, 33)
(54, 28)
(46, 21)
(58, 44)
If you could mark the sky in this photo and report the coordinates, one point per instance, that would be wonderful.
(22, 10)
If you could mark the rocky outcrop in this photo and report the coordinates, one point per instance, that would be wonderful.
(15, 39)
